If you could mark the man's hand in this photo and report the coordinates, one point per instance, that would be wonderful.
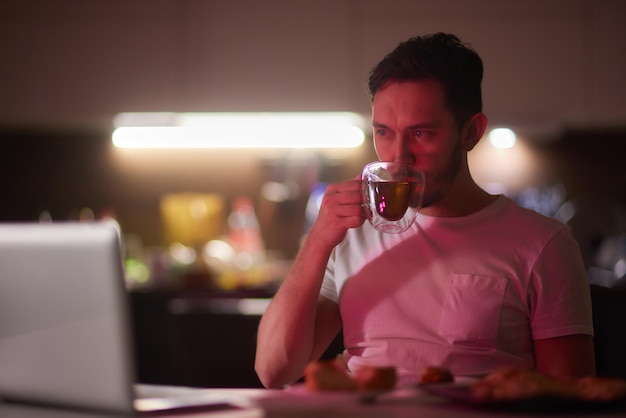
(340, 210)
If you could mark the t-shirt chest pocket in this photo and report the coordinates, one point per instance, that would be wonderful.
(472, 307)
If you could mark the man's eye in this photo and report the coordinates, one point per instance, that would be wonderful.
(381, 132)
(419, 134)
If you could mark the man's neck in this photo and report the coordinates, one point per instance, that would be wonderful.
(465, 198)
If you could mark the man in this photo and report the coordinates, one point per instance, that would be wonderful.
(476, 284)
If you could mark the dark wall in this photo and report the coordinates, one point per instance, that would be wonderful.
(591, 165)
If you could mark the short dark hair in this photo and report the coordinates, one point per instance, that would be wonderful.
(441, 57)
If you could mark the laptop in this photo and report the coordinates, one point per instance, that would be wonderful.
(65, 331)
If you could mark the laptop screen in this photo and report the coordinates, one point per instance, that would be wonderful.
(64, 329)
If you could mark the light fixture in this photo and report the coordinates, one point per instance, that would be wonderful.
(239, 130)
(502, 138)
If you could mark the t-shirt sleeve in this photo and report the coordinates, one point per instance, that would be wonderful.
(329, 288)
(560, 298)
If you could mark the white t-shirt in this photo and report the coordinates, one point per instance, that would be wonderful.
(467, 293)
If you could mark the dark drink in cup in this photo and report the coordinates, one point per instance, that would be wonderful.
(392, 198)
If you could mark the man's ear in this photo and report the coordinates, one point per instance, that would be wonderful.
(474, 130)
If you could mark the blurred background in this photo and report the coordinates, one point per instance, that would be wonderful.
(208, 224)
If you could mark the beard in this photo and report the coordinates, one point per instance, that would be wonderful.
(438, 184)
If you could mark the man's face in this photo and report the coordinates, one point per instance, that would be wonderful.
(412, 124)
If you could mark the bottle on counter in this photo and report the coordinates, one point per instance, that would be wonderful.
(244, 234)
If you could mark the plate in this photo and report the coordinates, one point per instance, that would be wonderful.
(300, 389)
(462, 392)
(359, 396)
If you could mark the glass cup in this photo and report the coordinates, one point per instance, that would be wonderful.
(392, 195)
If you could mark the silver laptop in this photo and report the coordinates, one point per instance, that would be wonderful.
(65, 336)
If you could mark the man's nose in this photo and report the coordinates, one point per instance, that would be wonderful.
(402, 151)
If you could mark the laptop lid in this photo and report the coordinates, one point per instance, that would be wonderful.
(64, 331)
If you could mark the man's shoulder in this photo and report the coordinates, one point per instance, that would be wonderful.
(523, 217)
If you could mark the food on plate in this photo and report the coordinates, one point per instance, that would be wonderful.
(375, 378)
(435, 374)
(332, 375)
(328, 375)
(601, 388)
(515, 384)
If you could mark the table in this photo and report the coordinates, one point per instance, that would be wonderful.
(297, 402)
